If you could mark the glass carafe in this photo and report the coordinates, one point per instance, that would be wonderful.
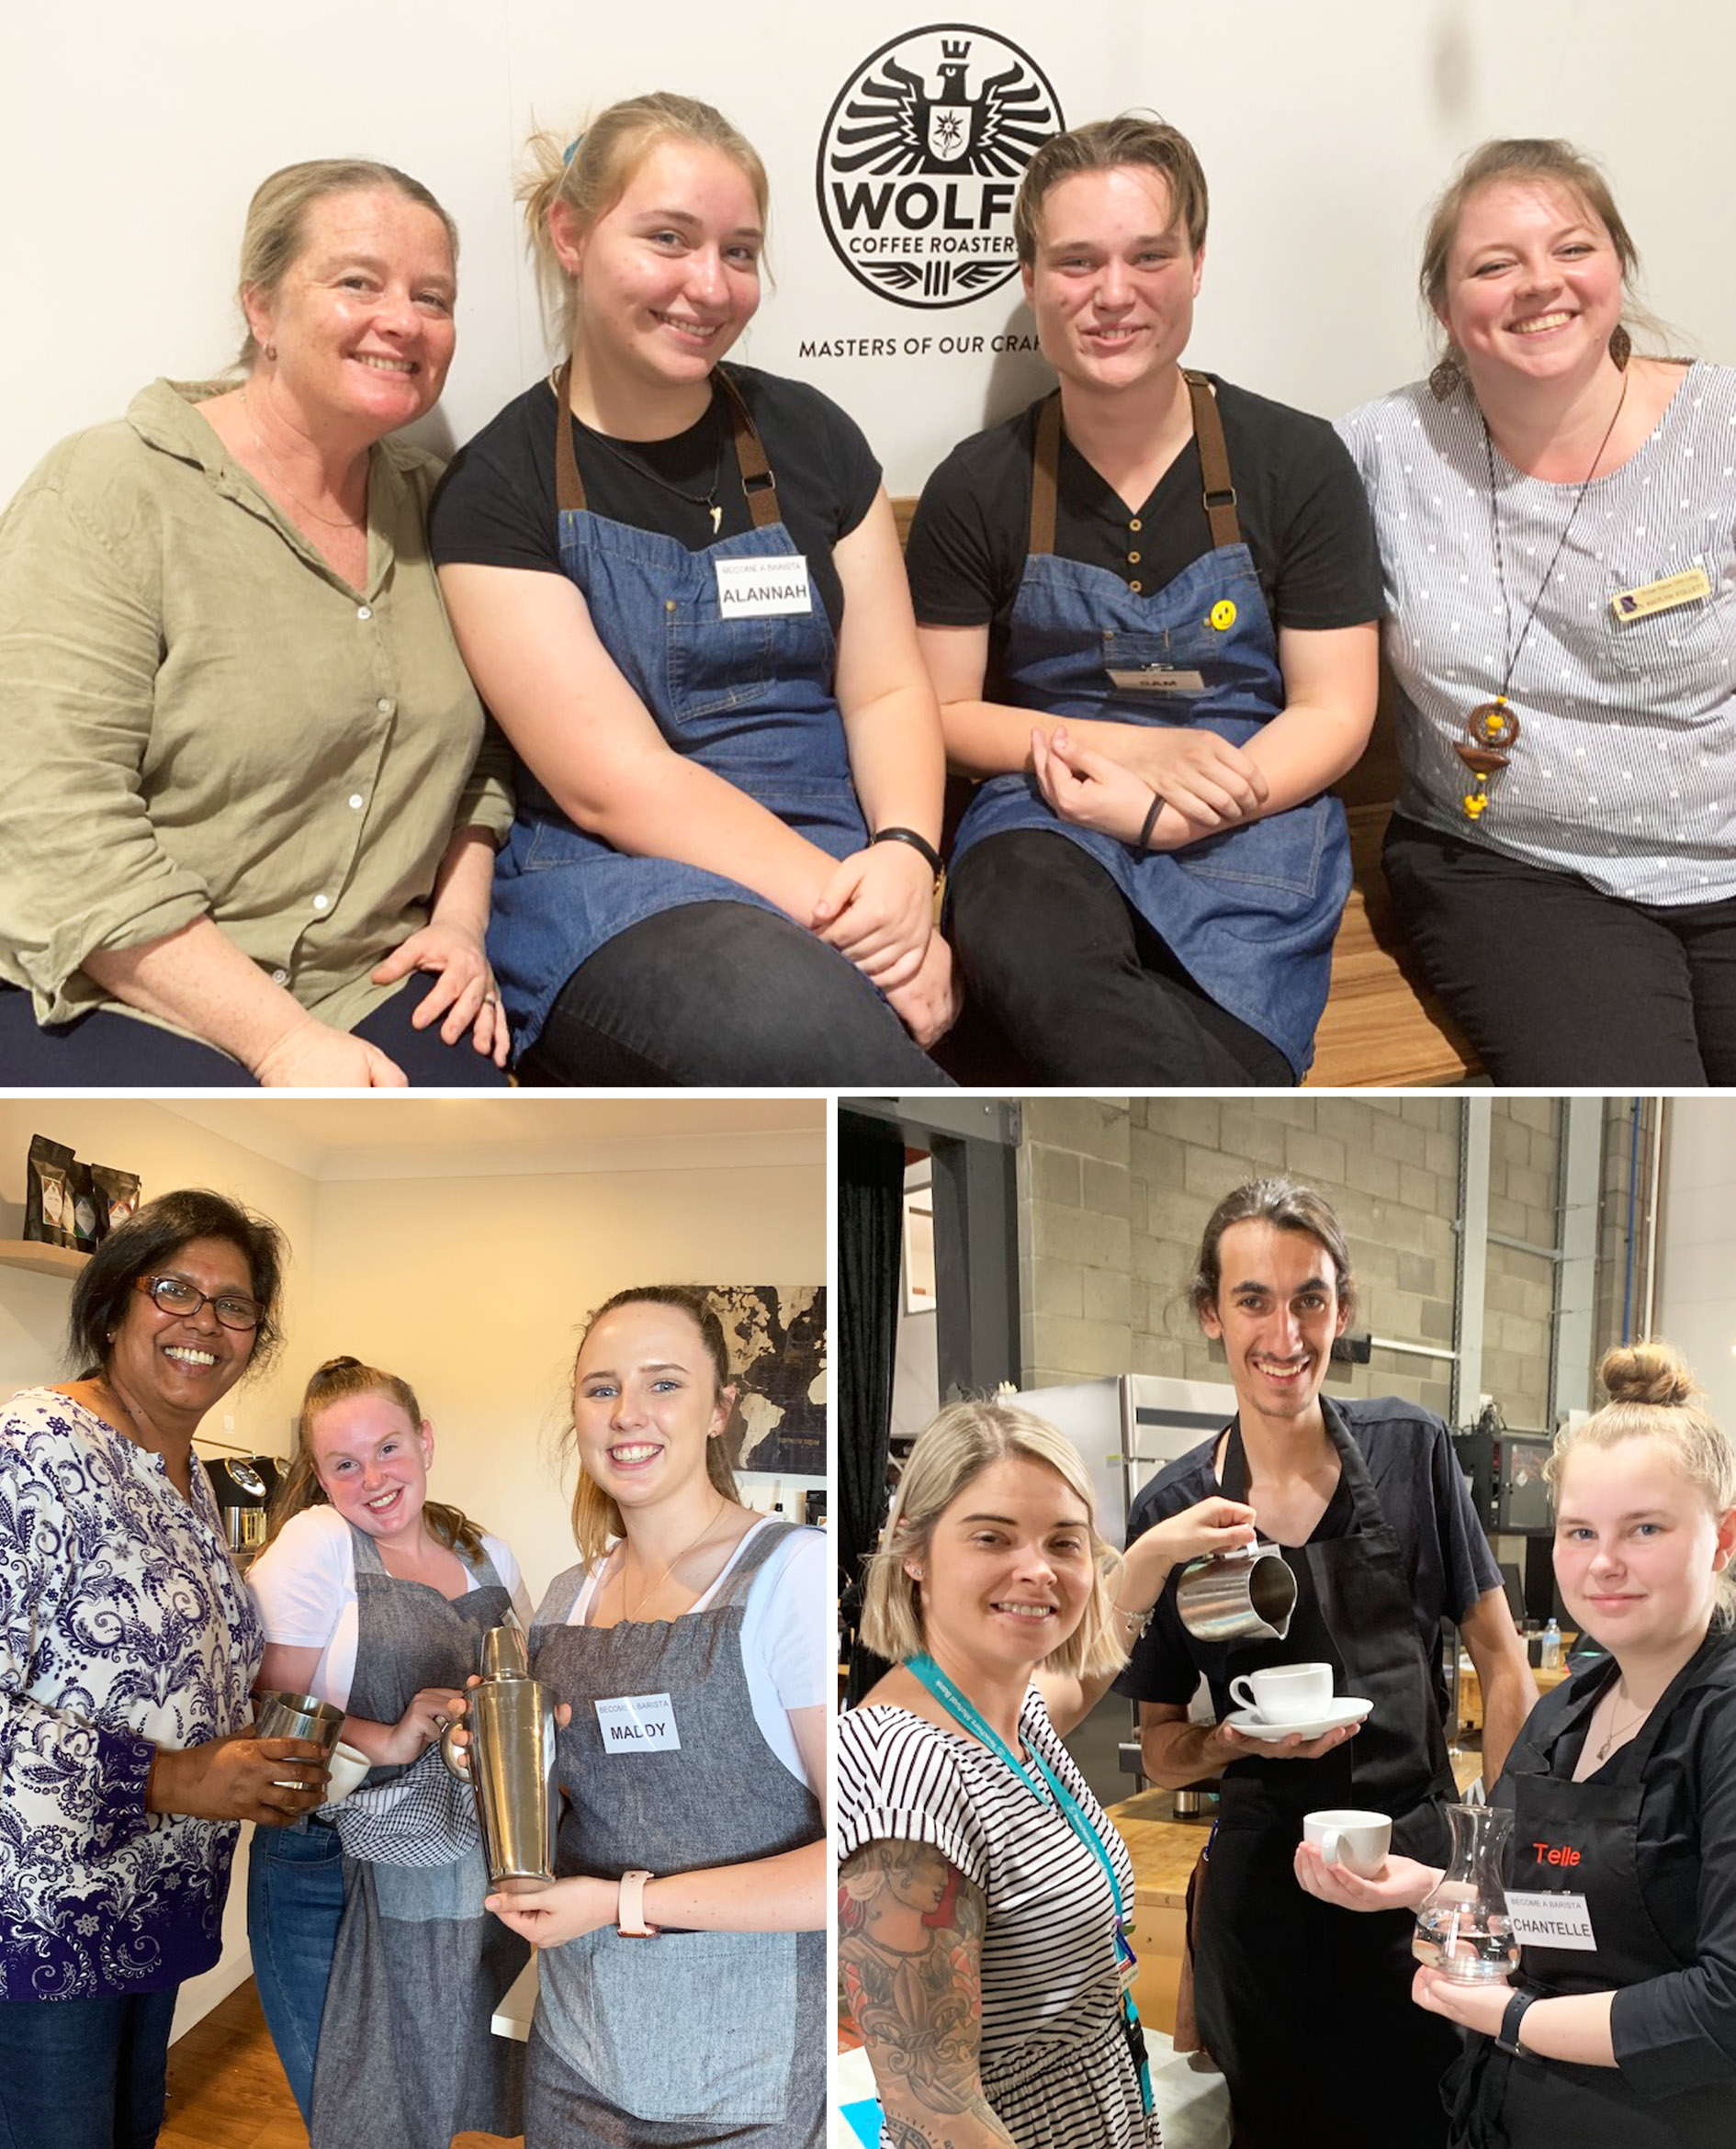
(1463, 1929)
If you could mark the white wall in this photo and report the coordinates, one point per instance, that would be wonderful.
(134, 135)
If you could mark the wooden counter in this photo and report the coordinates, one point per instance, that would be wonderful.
(1471, 1691)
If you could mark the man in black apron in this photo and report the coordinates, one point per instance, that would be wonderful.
(1305, 2008)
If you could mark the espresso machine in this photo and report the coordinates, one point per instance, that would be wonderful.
(244, 1485)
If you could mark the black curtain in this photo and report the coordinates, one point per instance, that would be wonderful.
(870, 1222)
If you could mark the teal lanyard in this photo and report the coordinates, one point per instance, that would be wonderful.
(966, 1713)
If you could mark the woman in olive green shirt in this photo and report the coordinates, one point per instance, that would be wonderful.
(248, 789)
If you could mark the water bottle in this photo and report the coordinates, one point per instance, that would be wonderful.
(1550, 1654)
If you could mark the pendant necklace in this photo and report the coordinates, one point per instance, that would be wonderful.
(633, 1612)
(707, 499)
(331, 521)
(1616, 1730)
(1493, 728)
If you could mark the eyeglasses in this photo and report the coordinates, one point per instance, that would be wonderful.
(174, 1294)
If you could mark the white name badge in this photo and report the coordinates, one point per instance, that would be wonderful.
(638, 1723)
(1551, 1921)
(1159, 679)
(762, 589)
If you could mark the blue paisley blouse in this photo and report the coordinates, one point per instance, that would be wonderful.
(124, 1626)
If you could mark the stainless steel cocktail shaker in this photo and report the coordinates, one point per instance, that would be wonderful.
(510, 1720)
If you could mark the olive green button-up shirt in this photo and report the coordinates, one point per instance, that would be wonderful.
(198, 716)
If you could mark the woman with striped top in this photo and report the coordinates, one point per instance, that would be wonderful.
(984, 1895)
(1557, 520)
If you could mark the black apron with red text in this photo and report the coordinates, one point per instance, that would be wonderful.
(1581, 1839)
(1305, 2007)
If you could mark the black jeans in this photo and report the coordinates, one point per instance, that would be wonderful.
(100, 1051)
(724, 994)
(1559, 985)
(1082, 988)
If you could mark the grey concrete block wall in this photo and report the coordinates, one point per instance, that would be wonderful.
(1114, 1192)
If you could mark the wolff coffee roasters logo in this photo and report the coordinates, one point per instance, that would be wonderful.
(920, 160)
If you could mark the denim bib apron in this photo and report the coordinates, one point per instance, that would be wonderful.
(1504, 2100)
(697, 2036)
(1249, 912)
(750, 699)
(406, 2054)
(1281, 1979)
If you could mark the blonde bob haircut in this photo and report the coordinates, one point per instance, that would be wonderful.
(591, 172)
(1652, 1396)
(949, 1455)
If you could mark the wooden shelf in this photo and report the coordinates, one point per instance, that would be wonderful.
(40, 1259)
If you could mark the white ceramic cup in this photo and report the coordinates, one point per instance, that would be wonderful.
(346, 1769)
(1285, 1694)
(1345, 1836)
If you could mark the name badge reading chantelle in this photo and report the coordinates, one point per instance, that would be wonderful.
(762, 589)
(1542, 1919)
(638, 1723)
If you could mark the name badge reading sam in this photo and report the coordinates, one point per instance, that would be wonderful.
(762, 589)
(1542, 1920)
(638, 1723)
(1157, 679)
(1647, 598)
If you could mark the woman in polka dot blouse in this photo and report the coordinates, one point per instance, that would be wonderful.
(1557, 519)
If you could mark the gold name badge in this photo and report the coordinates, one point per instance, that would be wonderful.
(1156, 679)
(1687, 588)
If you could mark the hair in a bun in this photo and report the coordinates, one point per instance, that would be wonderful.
(1646, 1373)
(1654, 1396)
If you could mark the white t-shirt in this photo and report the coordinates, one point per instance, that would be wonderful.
(785, 1632)
(304, 1584)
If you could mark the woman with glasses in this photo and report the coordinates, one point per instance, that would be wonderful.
(127, 1648)
(375, 1598)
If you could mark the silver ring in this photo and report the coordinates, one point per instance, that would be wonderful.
(442, 1723)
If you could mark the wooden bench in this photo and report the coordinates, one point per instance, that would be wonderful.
(1383, 1027)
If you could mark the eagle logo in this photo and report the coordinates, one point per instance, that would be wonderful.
(920, 160)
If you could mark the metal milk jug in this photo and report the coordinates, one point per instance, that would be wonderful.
(1247, 1594)
(510, 1720)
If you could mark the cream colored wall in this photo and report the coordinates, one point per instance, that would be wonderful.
(474, 1289)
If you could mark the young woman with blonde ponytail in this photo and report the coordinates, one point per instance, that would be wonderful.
(378, 1967)
(677, 585)
(1622, 2028)
(683, 1975)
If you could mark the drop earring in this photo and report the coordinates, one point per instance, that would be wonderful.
(1620, 348)
(1448, 374)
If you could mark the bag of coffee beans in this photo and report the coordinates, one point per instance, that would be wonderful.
(48, 1199)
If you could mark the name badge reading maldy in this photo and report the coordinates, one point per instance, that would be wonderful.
(1640, 603)
(1542, 1919)
(638, 1723)
(1156, 679)
(762, 589)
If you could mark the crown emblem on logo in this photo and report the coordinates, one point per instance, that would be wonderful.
(956, 48)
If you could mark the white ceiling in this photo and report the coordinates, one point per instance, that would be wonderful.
(396, 1136)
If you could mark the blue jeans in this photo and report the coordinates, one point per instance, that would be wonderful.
(295, 1898)
(83, 2074)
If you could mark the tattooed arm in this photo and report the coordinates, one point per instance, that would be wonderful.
(910, 1964)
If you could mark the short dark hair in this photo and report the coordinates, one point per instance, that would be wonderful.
(155, 1234)
(1289, 1207)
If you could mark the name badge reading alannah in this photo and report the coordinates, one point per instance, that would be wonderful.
(762, 589)
(1647, 598)
(1156, 679)
(638, 1723)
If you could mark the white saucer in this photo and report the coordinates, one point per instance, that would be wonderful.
(1349, 1710)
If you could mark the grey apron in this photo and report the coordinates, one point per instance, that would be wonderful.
(689, 2037)
(406, 2057)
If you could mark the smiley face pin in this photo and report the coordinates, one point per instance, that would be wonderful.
(1223, 615)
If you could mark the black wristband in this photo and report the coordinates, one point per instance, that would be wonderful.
(1507, 2036)
(916, 842)
(1150, 822)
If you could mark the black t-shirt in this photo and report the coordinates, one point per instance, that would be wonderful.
(1304, 514)
(496, 505)
(1423, 1495)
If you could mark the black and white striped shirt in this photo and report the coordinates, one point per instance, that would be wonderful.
(1625, 767)
(1054, 2063)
